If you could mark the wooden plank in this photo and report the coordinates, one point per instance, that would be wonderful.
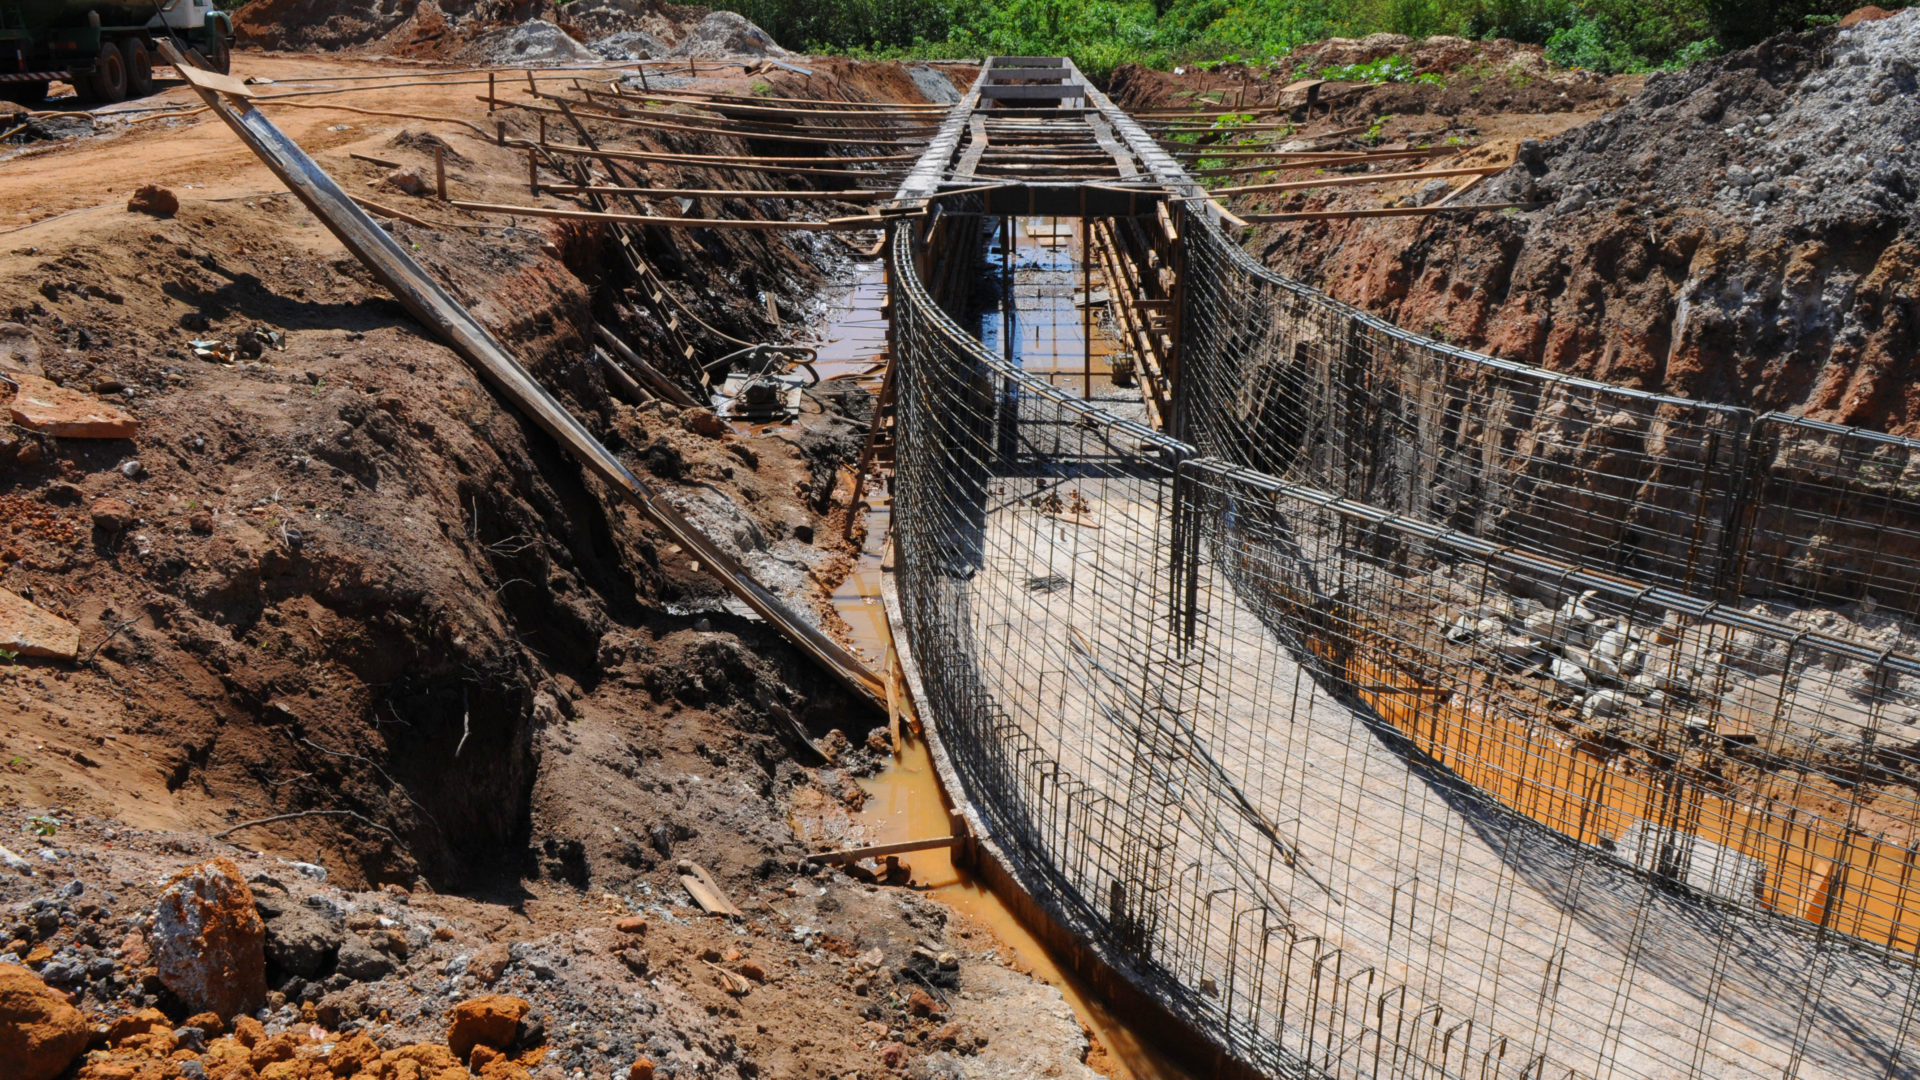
(388, 211)
(834, 858)
(692, 161)
(705, 891)
(214, 81)
(1056, 92)
(600, 113)
(1302, 161)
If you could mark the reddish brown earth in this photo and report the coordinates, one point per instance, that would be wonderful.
(342, 612)
(1665, 260)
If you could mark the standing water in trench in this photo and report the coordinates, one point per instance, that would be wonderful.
(1048, 326)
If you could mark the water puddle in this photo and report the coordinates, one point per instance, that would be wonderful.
(857, 599)
(854, 330)
(1053, 330)
(904, 803)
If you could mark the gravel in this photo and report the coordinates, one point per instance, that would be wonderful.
(536, 41)
(725, 34)
(1810, 133)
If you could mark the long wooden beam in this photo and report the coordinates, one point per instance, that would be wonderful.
(1370, 178)
(809, 103)
(687, 129)
(694, 161)
(842, 224)
(862, 195)
(1390, 211)
(1297, 162)
(771, 110)
(878, 851)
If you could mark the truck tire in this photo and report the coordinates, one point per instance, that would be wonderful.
(139, 67)
(108, 83)
(220, 53)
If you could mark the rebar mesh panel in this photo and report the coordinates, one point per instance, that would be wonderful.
(1324, 729)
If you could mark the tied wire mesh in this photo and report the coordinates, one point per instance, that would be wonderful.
(1424, 715)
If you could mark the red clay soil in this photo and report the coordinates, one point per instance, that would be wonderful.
(1692, 244)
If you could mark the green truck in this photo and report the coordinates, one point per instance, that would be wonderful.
(105, 48)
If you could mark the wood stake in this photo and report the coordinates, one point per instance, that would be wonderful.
(440, 170)
(491, 94)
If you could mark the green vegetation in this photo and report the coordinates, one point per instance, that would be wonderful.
(1605, 35)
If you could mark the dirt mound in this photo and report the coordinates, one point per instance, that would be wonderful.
(536, 41)
(1800, 137)
(932, 85)
(593, 20)
(1438, 55)
(629, 45)
(1743, 231)
(724, 34)
(1783, 178)
(479, 31)
(333, 24)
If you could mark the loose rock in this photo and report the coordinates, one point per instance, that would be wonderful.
(209, 942)
(40, 1034)
(490, 1021)
(154, 199)
(111, 515)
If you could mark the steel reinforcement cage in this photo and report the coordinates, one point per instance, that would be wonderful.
(1424, 714)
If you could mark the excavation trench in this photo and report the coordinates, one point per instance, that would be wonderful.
(1053, 332)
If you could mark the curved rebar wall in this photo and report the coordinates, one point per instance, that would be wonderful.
(1424, 714)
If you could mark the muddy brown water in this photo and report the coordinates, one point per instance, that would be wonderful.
(905, 801)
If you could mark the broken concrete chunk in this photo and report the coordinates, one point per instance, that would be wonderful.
(18, 349)
(51, 409)
(31, 630)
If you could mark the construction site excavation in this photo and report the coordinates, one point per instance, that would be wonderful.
(576, 541)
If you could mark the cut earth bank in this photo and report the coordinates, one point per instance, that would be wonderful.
(329, 576)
